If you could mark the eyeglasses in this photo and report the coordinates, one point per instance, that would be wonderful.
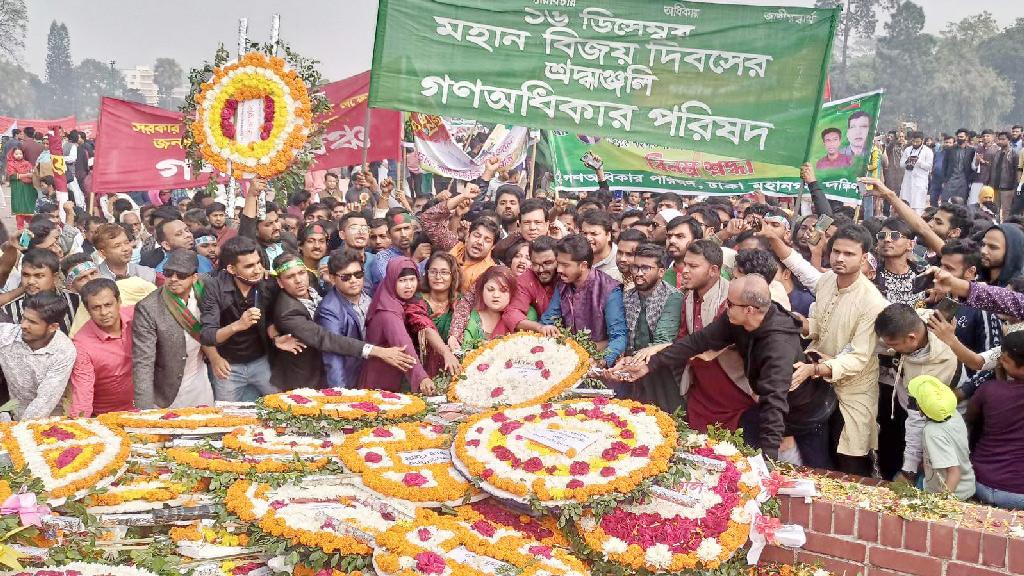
(731, 304)
(439, 273)
(890, 235)
(176, 275)
(642, 269)
(347, 277)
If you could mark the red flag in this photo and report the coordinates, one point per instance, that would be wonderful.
(138, 147)
(343, 134)
(88, 127)
(8, 123)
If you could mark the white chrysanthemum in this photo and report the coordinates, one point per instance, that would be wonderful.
(587, 523)
(709, 550)
(822, 572)
(658, 556)
(696, 439)
(725, 449)
(406, 563)
(709, 499)
(750, 478)
(740, 516)
(613, 545)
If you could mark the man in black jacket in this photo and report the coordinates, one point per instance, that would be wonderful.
(768, 339)
(293, 314)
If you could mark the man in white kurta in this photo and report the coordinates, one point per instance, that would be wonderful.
(920, 158)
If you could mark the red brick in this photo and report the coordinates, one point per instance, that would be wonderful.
(800, 512)
(784, 508)
(778, 554)
(916, 536)
(891, 532)
(836, 566)
(941, 540)
(867, 526)
(968, 545)
(843, 519)
(821, 517)
(876, 571)
(958, 569)
(993, 550)
(901, 561)
(837, 547)
(1015, 556)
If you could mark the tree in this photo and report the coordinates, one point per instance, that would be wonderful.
(60, 80)
(19, 92)
(1002, 53)
(13, 27)
(134, 95)
(904, 65)
(859, 21)
(93, 80)
(168, 76)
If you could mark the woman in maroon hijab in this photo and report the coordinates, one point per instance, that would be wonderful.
(386, 326)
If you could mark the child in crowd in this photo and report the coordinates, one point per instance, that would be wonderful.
(947, 459)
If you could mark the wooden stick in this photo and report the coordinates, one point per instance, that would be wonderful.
(533, 167)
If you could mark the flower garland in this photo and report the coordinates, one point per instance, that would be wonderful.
(197, 533)
(286, 122)
(408, 461)
(195, 420)
(565, 451)
(261, 440)
(700, 523)
(543, 529)
(215, 461)
(517, 369)
(339, 519)
(146, 490)
(448, 546)
(68, 456)
(350, 406)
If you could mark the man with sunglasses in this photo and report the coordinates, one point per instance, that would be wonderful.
(653, 309)
(293, 314)
(343, 312)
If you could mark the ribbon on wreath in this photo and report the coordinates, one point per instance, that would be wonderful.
(765, 530)
(25, 506)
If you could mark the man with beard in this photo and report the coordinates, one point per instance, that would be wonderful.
(293, 314)
(842, 333)
(956, 168)
(534, 286)
(101, 380)
(679, 233)
(235, 315)
(216, 213)
(985, 155)
(267, 232)
(629, 241)
(916, 160)
(401, 229)
(1017, 138)
(1005, 176)
(596, 227)
(473, 255)
(950, 221)
(939, 168)
(586, 299)
(858, 126)
(313, 247)
(175, 235)
(36, 357)
(1002, 254)
(653, 310)
(507, 201)
(379, 239)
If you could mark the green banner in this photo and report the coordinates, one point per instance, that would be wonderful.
(724, 79)
(846, 125)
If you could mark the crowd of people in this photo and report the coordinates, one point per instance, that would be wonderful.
(881, 344)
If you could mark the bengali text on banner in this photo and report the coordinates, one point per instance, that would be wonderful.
(722, 79)
(840, 154)
(345, 126)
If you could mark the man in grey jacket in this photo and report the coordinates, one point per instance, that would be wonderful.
(168, 369)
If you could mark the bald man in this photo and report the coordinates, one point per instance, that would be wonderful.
(768, 339)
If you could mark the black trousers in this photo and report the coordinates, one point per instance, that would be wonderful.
(892, 420)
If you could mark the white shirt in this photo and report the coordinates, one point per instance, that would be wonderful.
(195, 389)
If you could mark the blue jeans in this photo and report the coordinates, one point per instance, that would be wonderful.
(246, 383)
(1000, 498)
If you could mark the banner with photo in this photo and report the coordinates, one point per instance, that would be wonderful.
(725, 79)
(440, 154)
(840, 155)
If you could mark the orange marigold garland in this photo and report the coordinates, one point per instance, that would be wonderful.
(312, 411)
(262, 440)
(218, 461)
(193, 420)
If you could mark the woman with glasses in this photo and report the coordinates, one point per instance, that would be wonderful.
(439, 293)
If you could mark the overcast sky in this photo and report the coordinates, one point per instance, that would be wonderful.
(339, 33)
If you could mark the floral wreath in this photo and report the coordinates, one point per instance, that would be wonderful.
(261, 441)
(70, 457)
(338, 518)
(543, 529)
(527, 452)
(699, 523)
(192, 420)
(518, 369)
(435, 544)
(408, 461)
(211, 460)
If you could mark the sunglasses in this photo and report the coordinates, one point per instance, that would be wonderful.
(176, 275)
(347, 277)
(890, 235)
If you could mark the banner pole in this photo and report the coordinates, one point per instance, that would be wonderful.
(243, 27)
(400, 185)
(366, 135)
(533, 166)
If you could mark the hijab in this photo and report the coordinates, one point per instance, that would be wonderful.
(385, 299)
(15, 166)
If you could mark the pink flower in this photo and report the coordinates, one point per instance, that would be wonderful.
(483, 367)
(508, 363)
(510, 427)
(423, 534)
(326, 444)
(487, 473)
(533, 465)
(627, 434)
(574, 484)
(390, 396)
(366, 406)
(607, 471)
(497, 392)
(485, 528)
(331, 392)
(536, 350)
(539, 364)
(545, 373)
(57, 433)
(379, 432)
(502, 453)
(437, 429)
(640, 452)
(299, 399)
(579, 468)
(429, 563)
(473, 442)
(414, 479)
(544, 551)
(170, 416)
(499, 418)
(372, 457)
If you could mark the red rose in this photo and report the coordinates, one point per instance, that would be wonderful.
(508, 363)
(483, 367)
(579, 468)
(539, 364)
(414, 479)
(372, 457)
(574, 484)
(607, 471)
(545, 373)
(641, 452)
(533, 465)
(497, 392)
(487, 473)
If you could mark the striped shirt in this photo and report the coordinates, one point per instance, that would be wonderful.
(15, 309)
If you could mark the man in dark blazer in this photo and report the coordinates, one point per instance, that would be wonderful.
(293, 314)
(168, 368)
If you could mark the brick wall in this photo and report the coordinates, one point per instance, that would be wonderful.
(851, 541)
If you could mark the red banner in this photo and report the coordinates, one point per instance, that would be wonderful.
(138, 147)
(344, 133)
(89, 128)
(7, 124)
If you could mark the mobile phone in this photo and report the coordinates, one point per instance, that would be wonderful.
(922, 282)
(591, 161)
(823, 223)
(948, 308)
(618, 195)
(862, 189)
(813, 355)
(24, 239)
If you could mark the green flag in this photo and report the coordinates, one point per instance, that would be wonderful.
(731, 80)
(841, 153)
